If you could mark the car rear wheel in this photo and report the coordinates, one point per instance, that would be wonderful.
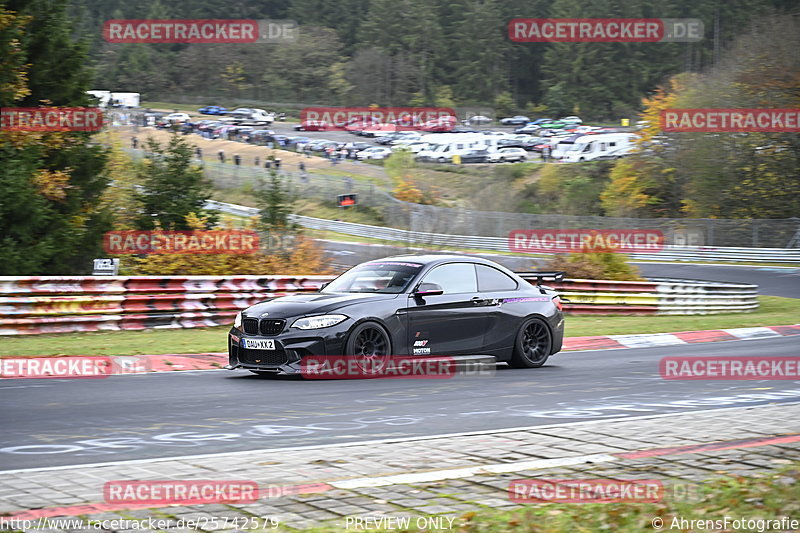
(442, 160)
(533, 344)
(369, 344)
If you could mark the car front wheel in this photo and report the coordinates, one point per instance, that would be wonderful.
(533, 344)
(369, 344)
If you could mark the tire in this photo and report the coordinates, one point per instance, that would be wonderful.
(532, 345)
(442, 160)
(581, 160)
(368, 341)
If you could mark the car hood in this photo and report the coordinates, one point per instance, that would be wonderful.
(313, 304)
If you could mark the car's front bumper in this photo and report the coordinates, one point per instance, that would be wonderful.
(290, 347)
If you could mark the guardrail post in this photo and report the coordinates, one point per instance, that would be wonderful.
(710, 233)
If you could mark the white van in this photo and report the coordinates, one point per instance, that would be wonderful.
(601, 146)
(103, 97)
(444, 146)
(124, 100)
(561, 144)
(245, 116)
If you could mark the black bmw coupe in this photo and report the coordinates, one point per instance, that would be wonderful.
(426, 305)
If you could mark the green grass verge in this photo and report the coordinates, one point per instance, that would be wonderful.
(152, 341)
(769, 496)
(774, 311)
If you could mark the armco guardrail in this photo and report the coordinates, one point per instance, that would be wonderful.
(656, 297)
(51, 304)
(45, 304)
(669, 253)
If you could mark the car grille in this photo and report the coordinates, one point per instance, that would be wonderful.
(263, 357)
(269, 327)
(250, 326)
(272, 326)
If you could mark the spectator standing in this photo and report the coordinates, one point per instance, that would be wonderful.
(134, 142)
(221, 156)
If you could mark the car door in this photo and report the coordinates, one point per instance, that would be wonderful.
(501, 328)
(451, 323)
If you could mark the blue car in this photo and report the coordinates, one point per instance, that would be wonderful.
(212, 110)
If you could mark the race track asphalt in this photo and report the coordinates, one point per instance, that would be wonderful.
(55, 422)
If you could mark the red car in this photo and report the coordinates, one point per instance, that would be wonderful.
(442, 124)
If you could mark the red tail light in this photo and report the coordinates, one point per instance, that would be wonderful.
(557, 301)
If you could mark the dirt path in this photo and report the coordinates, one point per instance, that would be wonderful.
(289, 159)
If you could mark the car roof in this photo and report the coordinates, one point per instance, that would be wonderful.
(431, 259)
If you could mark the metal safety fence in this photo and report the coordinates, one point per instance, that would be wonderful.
(694, 233)
(51, 304)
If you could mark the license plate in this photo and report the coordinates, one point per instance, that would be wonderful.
(258, 344)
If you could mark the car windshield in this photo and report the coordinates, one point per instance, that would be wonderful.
(388, 277)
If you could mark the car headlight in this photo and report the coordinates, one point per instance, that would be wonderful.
(316, 322)
(237, 322)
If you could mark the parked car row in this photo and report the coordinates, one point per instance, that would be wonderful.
(241, 116)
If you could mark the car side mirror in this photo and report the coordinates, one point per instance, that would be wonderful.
(428, 289)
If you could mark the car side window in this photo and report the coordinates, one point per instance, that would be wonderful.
(454, 278)
(490, 280)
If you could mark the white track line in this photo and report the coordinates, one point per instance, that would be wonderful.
(267, 451)
(455, 473)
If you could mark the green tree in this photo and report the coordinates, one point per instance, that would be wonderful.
(51, 221)
(504, 105)
(275, 204)
(172, 186)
